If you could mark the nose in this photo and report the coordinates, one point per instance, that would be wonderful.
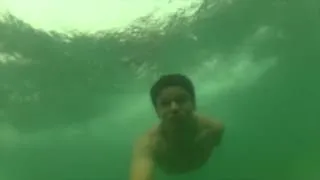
(174, 105)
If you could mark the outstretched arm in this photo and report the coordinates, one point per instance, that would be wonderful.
(142, 166)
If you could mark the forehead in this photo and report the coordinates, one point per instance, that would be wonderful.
(172, 92)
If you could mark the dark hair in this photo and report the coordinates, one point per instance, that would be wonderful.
(171, 80)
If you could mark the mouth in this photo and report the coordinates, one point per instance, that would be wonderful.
(176, 116)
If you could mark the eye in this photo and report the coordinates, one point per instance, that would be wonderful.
(181, 99)
(165, 103)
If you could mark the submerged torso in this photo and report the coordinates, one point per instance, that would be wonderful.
(181, 158)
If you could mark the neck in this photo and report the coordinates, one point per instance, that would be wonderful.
(180, 135)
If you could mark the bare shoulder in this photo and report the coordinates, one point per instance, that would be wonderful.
(211, 124)
(213, 128)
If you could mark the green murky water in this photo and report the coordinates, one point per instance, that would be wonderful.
(74, 82)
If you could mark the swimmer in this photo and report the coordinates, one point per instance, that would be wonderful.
(183, 140)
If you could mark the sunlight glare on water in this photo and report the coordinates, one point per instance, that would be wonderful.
(90, 16)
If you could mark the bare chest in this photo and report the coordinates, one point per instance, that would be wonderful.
(182, 159)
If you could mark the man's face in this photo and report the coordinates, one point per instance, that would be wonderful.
(174, 105)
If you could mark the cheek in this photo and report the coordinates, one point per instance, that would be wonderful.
(161, 113)
(189, 107)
